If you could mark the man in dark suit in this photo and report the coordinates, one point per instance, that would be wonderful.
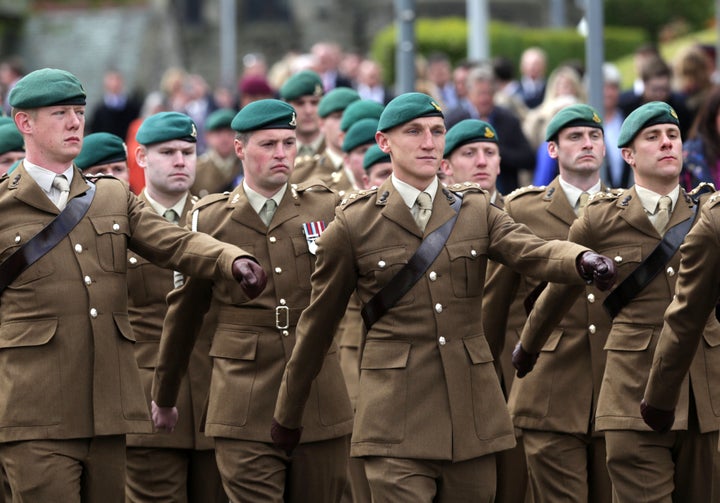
(516, 153)
(116, 110)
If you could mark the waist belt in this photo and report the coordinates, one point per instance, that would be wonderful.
(281, 317)
(45, 240)
(403, 281)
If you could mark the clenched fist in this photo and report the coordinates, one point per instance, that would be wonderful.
(596, 268)
(250, 275)
(522, 360)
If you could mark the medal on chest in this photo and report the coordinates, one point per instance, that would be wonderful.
(312, 231)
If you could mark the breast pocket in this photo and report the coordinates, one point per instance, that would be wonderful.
(626, 259)
(304, 262)
(112, 232)
(13, 240)
(467, 262)
(380, 266)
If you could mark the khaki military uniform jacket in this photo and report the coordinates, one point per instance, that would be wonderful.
(320, 167)
(249, 351)
(66, 346)
(560, 394)
(428, 388)
(148, 285)
(618, 227)
(210, 178)
(697, 291)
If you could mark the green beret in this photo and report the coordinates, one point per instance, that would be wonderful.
(10, 139)
(337, 100)
(360, 109)
(468, 131)
(649, 114)
(406, 107)
(360, 133)
(574, 115)
(303, 83)
(47, 87)
(220, 119)
(99, 149)
(166, 126)
(264, 114)
(374, 156)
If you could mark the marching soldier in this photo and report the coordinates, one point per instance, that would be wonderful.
(106, 154)
(430, 411)
(72, 389)
(554, 406)
(252, 339)
(12, 146)
(179, 466)
(218, 169)
(642, 229)
(303, 91)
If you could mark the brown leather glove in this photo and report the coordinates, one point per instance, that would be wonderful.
(593, 267)
(657, 419)
(285, 438)
(250, 275)
(522, 360)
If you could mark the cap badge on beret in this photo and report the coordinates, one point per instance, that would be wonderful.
(488, 133)
(596, 118)
(318, 90)
(673, 113)
(193, 133)
(436, 106)
(293, 121)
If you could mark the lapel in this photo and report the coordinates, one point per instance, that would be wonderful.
(394, 208)
(442, 211)
(682, 210)
(558, 205)
(243, 212)
(189, 203)
(634, 213)
(29, 192)
(286, 210)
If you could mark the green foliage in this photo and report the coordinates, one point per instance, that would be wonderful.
(654, 15)
(449, 35)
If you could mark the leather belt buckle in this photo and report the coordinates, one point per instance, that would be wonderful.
(282, 317)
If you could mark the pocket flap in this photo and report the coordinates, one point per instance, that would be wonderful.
(629, 338)
(383, 259)
(471, 248)
(237, 344)
(122, 321)
(25, 333)
(114, 224)
(478, 349)
(385, 355)
(628, 254)
(552, 343)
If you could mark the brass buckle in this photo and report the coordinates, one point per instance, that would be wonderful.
(280, 313)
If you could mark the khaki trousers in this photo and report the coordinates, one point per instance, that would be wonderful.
(652, 467)
(91, 470)
(566, 467)
(399, 480)
(255, 471)
(173, 476)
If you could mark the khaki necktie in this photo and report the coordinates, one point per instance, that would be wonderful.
(424, 202)
(60, 183)
(582, 202)
(267, 211)
(662, 215)
(171, 216)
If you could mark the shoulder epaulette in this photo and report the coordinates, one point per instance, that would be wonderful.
(702, 188)
(210, 199)
(714, 199)
(308, 186)
(528, 189)
(465, 187)
(357, 196)
(608, 195)
(194, 199)
(307, 158)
